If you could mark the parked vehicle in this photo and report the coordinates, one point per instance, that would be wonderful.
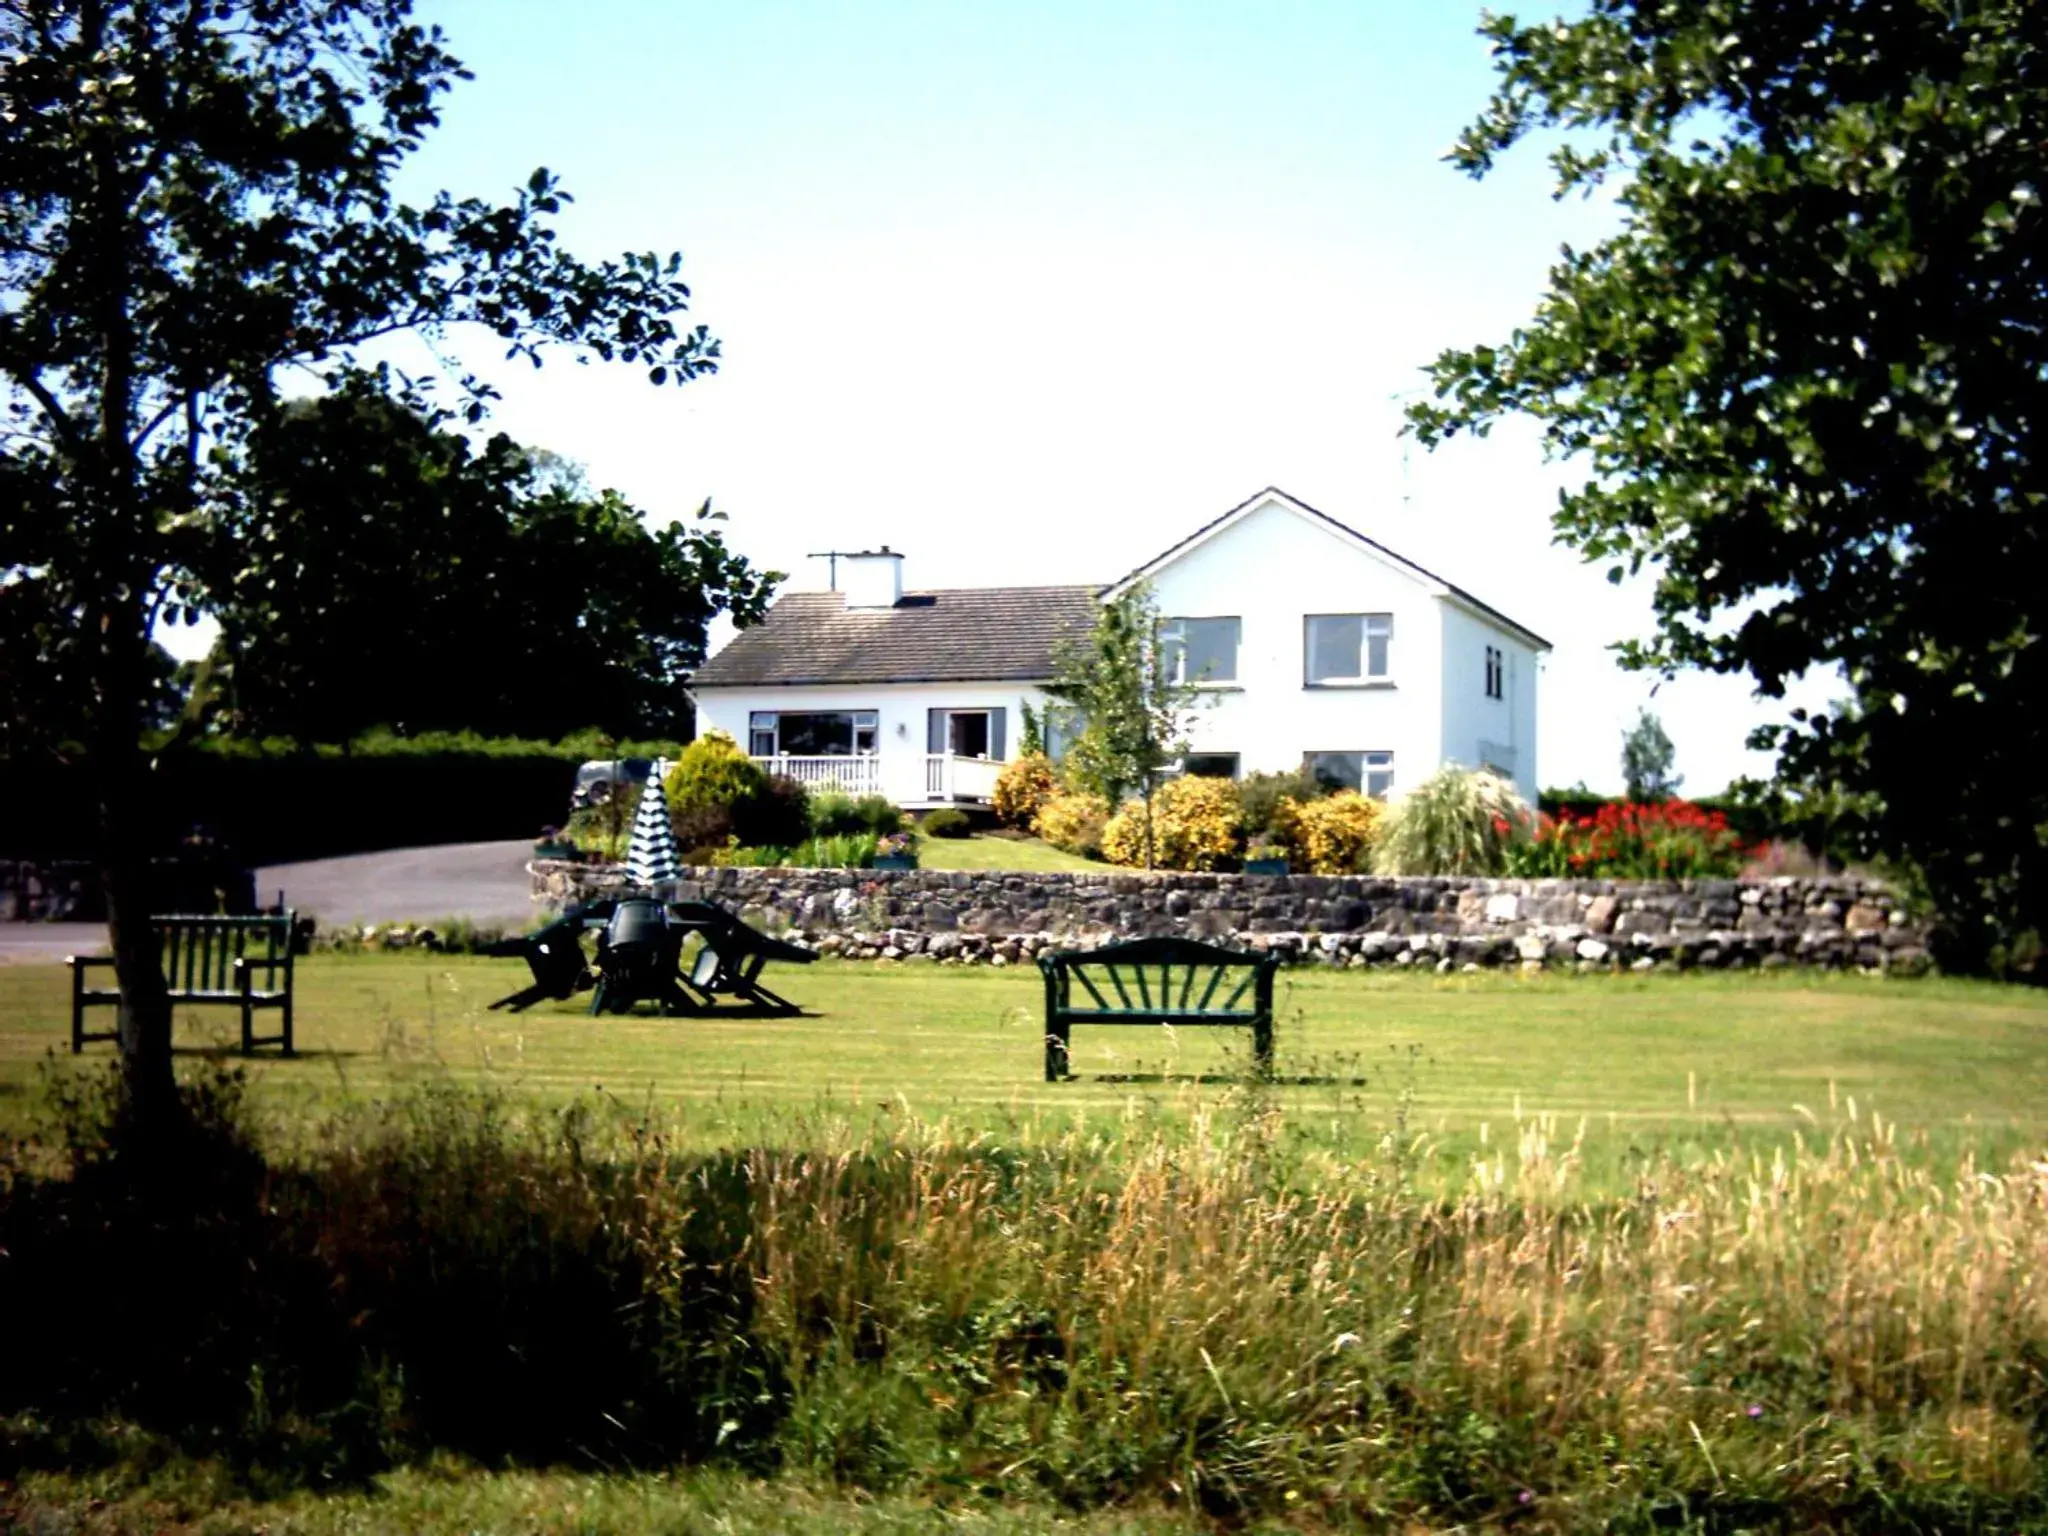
(596, 780)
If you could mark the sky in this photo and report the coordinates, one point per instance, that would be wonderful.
(1030, 292)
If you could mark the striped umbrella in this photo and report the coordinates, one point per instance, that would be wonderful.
(651, 858)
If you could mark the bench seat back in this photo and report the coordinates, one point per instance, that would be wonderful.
(201, 953)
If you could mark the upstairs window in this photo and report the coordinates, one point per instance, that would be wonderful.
(1350, 648)
(1200, 650)
(1496, 672)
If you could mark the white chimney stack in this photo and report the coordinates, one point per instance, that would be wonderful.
(874, 578)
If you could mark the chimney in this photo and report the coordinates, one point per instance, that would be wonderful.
(874, 578)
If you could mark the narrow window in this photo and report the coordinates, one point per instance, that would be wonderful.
(1209, 765)
(761, 734)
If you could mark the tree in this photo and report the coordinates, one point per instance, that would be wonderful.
(1120, 680)
(1807, 376)
(1646, 758)
(196, 196)
(394, 558)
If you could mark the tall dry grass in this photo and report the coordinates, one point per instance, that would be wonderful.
(1192, 1309)
(1195, 1316)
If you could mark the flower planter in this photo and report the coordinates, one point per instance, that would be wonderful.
(895, 861)
(1265, 866)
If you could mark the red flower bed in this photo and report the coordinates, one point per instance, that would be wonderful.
(1672, 841)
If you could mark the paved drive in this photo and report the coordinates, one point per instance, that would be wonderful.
(484, 882)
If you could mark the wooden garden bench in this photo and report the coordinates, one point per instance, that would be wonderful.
(237, 962)
(1157, 981)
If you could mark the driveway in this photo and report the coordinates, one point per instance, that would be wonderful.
(48, 943)
(484, 882)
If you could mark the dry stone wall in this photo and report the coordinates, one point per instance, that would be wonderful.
(1446, 923)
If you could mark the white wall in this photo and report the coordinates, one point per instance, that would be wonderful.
(1269, 569)
(901, 706)
(1469, 716)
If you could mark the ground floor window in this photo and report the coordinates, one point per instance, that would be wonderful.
(812, 733)
(1209, 765)
(1370, 773)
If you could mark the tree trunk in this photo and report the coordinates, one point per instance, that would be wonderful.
(127, 834)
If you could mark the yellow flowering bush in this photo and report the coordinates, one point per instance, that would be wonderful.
(1072, 821)
(1023, 788)
(1332, 835)
(1195, 825)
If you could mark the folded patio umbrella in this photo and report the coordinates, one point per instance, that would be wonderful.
(651, 858)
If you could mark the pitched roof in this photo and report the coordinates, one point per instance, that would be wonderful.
(1342, 530)
(969, 634)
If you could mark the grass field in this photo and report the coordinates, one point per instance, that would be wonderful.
(1644, 1061)
(924, 1290)
(1003, 853)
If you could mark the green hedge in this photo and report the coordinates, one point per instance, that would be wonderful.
(274, 802)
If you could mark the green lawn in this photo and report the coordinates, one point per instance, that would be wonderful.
(984, 852)
(1640, 1059)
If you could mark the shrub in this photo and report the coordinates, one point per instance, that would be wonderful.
(878, 814)
(713, 771)
(1194, 826)
(1458, 821)
(1073, 821)
(781, 814)
(833, 814)
(1023, 788)
(1674, 840)
(1330, 836)
(703, 827)
(850, 851)
(946, 821)
(1259, 796)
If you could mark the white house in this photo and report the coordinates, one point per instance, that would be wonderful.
(1314, 646)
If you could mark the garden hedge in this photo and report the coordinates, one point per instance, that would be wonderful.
(274, 804)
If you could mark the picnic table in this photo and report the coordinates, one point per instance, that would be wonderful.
(639, 955)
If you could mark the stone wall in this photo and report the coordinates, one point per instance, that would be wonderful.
(1446, 923)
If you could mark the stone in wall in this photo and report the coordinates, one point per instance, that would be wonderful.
(953, 916)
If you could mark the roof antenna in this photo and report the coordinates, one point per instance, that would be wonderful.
(834, 556)
(1407, 451)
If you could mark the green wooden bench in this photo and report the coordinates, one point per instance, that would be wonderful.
(1157, 981)
(238, 962)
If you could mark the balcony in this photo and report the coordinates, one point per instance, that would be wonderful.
(856, 776)
(948, 777)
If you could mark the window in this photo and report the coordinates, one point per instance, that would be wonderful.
(1350, 647)
(1496, 672)
(1200, 650)
(1209, 765)
(811, 734)
(1370, 773)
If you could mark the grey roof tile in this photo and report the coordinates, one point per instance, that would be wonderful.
(969, 634)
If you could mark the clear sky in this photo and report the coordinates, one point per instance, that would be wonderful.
(1028, 292)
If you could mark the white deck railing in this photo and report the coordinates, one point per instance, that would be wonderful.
(850, 775)
(947, 777)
